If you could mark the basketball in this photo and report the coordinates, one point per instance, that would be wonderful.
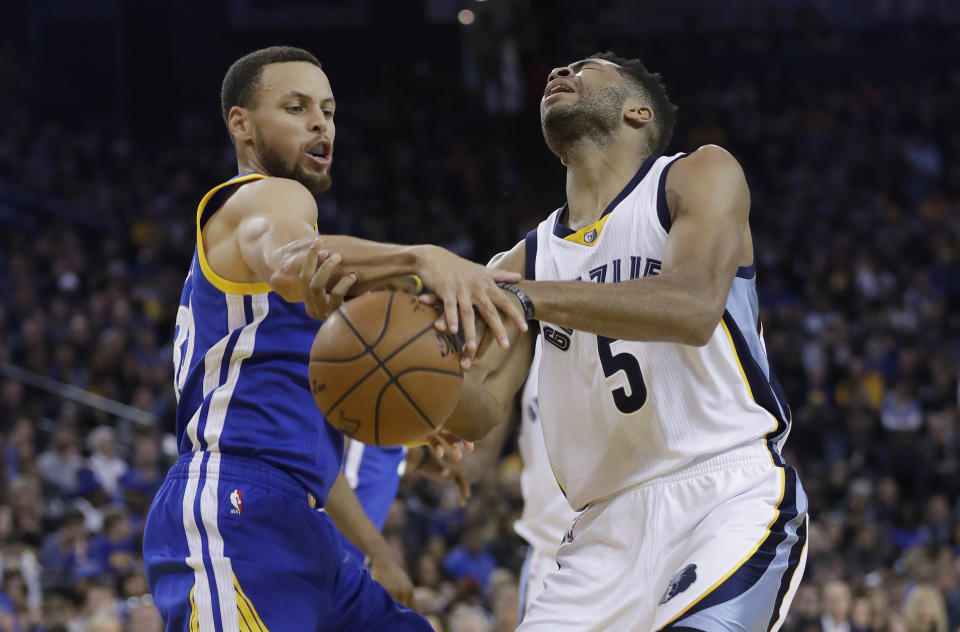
(381, 374)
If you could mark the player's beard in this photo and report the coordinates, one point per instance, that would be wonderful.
(279, 165)
(593, 119)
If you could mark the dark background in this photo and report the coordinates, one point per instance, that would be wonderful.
(843, 115)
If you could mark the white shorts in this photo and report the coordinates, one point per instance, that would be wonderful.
(535, 569)
(715, 552)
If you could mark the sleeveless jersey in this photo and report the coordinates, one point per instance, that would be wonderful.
(374, 473)
(546, 513)
(240, 357)
(619, 413)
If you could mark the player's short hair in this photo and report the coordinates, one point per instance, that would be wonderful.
(650, 86)
(242, 81)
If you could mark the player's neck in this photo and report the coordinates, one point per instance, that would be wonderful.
(249, 163)
(596, 176)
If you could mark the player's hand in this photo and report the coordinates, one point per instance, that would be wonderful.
(439, 460)
(385, 569)
(318, 270)
(463, 286)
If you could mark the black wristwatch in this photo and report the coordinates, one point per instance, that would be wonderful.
(522, 296)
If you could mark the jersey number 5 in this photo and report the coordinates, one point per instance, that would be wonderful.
(627, 363)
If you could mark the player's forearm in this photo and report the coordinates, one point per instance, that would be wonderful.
(347, 513)
(374, 262)
(477, 412)
(650, 309)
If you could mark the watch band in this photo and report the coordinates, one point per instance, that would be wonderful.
(525, 302)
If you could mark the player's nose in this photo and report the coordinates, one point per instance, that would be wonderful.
(318, 122)
(562, 71)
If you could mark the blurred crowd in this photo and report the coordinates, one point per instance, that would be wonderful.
(856, 219)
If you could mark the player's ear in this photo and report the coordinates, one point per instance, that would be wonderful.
(239, 124)
(636, 114)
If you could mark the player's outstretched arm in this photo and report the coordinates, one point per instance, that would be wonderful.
(347, 513)
(265, 231)
(709, 238)
(491, 384)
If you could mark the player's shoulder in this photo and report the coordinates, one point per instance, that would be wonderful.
(269, 195)
(513, 260)
(708, 159)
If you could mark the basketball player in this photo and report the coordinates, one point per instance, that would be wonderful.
(234, 539)
(662, 418)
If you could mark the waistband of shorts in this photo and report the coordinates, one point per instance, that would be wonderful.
(241, 469)
(747, 455)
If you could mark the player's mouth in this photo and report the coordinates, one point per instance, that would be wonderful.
(555, 87)
(321, 154)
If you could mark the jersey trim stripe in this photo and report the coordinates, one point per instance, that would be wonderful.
(248, 613)
(663, 211)
(588, 235)
(751, 569)
(351, 463)
(796, 553)
(225, 285)
(203, 596)
(530, 265)
(562, 231)
(760, 389)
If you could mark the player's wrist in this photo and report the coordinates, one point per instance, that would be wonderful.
(526, 303)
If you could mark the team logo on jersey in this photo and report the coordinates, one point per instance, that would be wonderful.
(559, 339)
(591, 236)
(680, 582)
(236, 499)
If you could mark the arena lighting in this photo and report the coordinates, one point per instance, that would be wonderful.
(465, 17)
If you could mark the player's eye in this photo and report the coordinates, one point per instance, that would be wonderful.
(327, 112)
(295, 109)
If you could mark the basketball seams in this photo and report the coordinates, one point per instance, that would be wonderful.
(392, 379)
(383, 331)
(380, 363)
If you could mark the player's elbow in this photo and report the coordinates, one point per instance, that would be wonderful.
(700, 326)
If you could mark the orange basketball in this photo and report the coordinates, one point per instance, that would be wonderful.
(381, 374)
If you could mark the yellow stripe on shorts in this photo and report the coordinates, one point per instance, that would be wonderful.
(249, 619)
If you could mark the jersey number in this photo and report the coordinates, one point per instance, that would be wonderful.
(183, 338)
(627, 363)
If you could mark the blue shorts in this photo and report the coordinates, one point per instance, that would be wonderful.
(233, 544)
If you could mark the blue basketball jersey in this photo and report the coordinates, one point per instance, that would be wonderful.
(240, 359)
(374, 473)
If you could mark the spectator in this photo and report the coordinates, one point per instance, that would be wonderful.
(106, 466)
(61, 463)
(925, 611)
(471, 559)
(836, 607)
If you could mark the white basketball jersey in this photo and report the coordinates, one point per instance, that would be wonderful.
(546, 513)
(619, 413)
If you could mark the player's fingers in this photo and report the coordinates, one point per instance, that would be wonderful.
(497, 329)
(505, 275)
(427, 299)
(343, 285)
(309, 264)
(468, 327)
(324, 271)
(450, 311)
(489, 311)
(509, 305)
